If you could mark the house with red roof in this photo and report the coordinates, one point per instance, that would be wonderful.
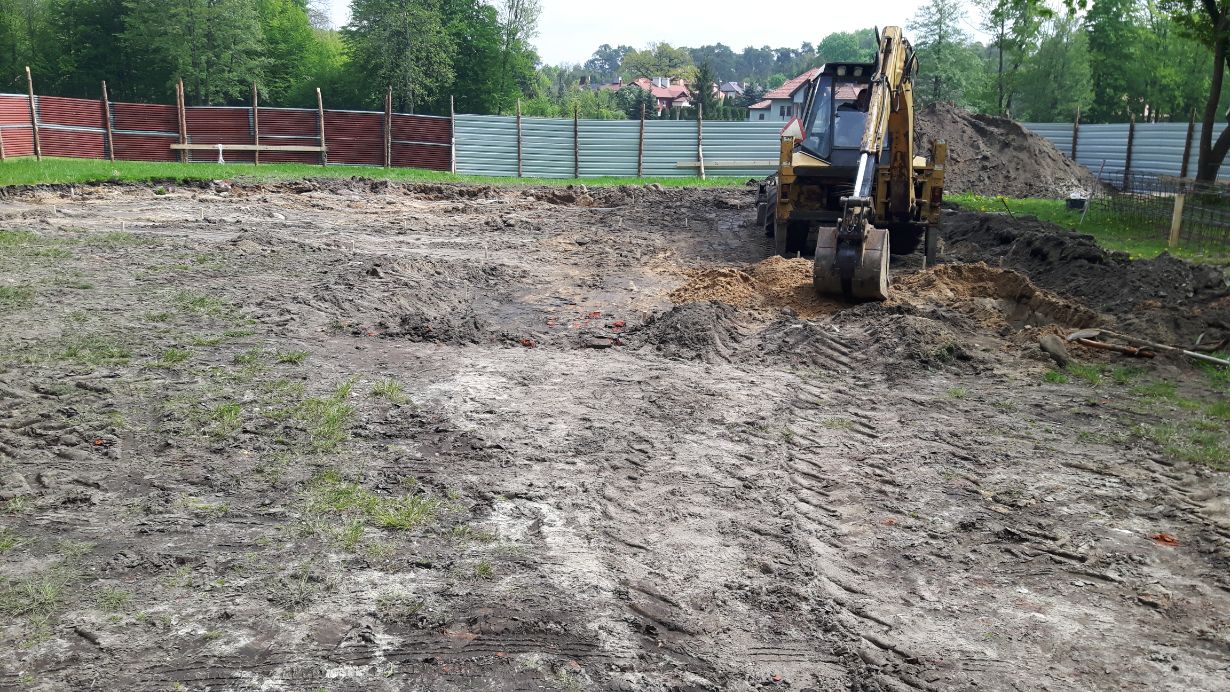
(784, 102)
(670, 93)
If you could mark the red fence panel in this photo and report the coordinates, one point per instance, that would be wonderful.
(73, 144)
(54, 110)
(71, 128)
(355, 137)
(422, 142)
(290, 127)
(144, 117)
(209, 125)
(15, 126)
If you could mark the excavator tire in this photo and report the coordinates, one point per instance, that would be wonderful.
(870, 280)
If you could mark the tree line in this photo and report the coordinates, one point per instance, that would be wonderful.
(427, 50)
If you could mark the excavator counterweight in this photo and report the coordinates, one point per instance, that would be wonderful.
(848, 189)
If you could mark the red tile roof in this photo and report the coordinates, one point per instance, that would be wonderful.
(762, 104)
(787, 90)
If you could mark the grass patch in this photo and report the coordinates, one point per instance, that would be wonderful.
(1125, 375)
(36, 598)
(16, 298)
(327, 419)
(120, 239)
(212, 510)
(1197, 442)
(290, 357)
(8, 540)
(332, 496)
(1091, 374)
(1158, 390)
(226, 418)
(252, 356)
(28, 244)
(390, 389)
(113, 599)
(96, 350)
(28, 171)
(201, 304)
(174, 356)
(958, 392)
(1055, 377)
(1111, 231)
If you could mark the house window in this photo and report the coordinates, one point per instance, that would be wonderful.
(785, 111)
(762, 116)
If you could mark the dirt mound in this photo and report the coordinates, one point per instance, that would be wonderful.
(935, 338)
(997, 156)
(994, 297)
(1166, 297)
(772, 285)
(700, 330)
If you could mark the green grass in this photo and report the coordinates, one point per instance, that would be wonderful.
(174, 356)
(331, 495)
(327, 419)
(15, 298)
(201, 304)
(96, 350)
(391, 390)
(1055, 377)
(227, 419)
(113, 599)
(27, 171)
(8, 540)
(1091, 374)
(958, 392)
(1110, 231)
(290, 357)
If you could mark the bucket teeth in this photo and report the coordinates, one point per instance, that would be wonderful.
(870, 279)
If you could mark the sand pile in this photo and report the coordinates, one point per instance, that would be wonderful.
(989, 155)
(770, 285)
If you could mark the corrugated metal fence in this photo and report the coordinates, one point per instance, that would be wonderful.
(487, 145)
(1157, 148)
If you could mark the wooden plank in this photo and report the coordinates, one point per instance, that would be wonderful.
(576, 140)
(38, 146)
(320, 113)
(256, 125)
(700, 137)
(106, 106)
(1176, 220)
(452, 137)
(182, 115)
(2, 156)
(1076, 131)
(243, 147)
(1127, 165)
(388, 127)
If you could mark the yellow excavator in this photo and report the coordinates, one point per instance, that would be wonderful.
(848, 188)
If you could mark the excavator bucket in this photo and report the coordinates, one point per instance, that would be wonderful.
(869, 278)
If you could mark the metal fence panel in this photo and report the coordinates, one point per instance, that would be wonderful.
(609, 147)
(755, 142)
(1157, 148)
(486, 145)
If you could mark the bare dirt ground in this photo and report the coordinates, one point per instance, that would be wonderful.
(354, 436)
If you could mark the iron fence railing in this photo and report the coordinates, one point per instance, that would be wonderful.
(1188, 214)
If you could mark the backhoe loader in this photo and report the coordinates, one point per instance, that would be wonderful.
(848, 189)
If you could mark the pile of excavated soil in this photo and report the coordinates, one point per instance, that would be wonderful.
(773, 285)
(1165, 298)
(994, 297)
(989, 155)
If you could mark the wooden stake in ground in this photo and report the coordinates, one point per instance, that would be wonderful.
(182, 112)
(452, 137)
(640, 147)
(1127, 164)
(38, 145)
(256, 126)
(1076, 131)
(519, 144)
(388, 127)
(576, 140)
(107, 125)
(700, 138)
(320, 114)
(1176, 220)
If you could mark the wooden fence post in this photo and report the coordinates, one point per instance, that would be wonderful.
(452, 134)
(640, 147)
(1176, 219)
(1187, 144)
(182, 114)
(256, 126)
(106, 108)
(38, 146)
(519, 141)
(320, 113)
(576, 140)
(388, 127)
(2, 156)
(1076, 131)
(1127, 164)
(700, 138)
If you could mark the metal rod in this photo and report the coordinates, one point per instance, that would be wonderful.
(38, 146)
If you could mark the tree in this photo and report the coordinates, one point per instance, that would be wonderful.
(1057, 80)
(949, 66)
(605, 63)
(659, 60)
(399, 43)
(519, 24)
(1116, 43)
(288, 41)
(720, 58)
(1208, 21)
(214, 45)
(477, 39)
(847, 46)
(632, 99)
(703, 90)
(1014, 25)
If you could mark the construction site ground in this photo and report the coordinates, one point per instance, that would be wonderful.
(347, 435)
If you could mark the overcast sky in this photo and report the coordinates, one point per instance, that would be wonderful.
(570, 30)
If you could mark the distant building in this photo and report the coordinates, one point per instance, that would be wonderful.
(729, 90)
(784, 102)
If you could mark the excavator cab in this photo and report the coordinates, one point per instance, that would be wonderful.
(849, 190)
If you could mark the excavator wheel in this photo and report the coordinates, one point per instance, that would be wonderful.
(870, 280)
